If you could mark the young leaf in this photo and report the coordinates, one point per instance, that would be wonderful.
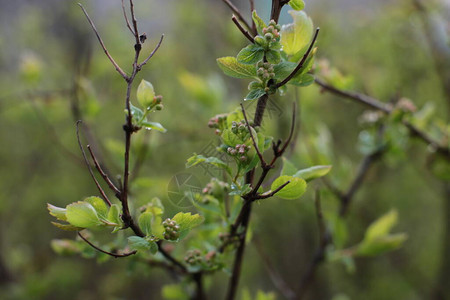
(297, 35)
(284, 69)
(230, 139)
(273, 56)
(303, 80)
(114, 214)
(382, 226)
(250, 54)
(187, 221)
(312, 172)
(197, 158)
(137, 115)
(258, 22)
(381, 245)
(297, 4)
(58, 212)
(145, 93)
(231, 67)
(99, 206)
(145, 222)
(82, 214)
(153, 125)
(293, 190)
(67, 227)
(138, 243)
(255, 94)
(288, 167)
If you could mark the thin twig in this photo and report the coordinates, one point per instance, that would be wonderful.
(261, 158)
(236, 11)
(118, 69)
(89, 167)
(126, 18)
(115, 255)
(102, 173)
(244, 32)
(151, 54)
(272, 193)
(170, 257)
(301, 63)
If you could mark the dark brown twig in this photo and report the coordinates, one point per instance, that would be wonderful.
(89, 166)
(102, 173)
(118, 69)
(152, 53)
(244, 32)
(272, 193)
(261, 158)
(301, 63)
(115, 255)
(126, 18)
(236, 11)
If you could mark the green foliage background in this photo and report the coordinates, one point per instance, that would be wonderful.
(46, 48)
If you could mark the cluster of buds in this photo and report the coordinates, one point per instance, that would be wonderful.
(172, 230)
(217, 122)
(239, 128)
(156, 103)
(271, 34)
(265, 71)
(239, 151)
(193, 257)
(215, 188)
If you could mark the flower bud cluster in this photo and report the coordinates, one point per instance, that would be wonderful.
(239, 127)
(218, 123)
(265, 71)
(172, 230)
(193, 257)
(239, 151)
(272, 32)
(215, 188)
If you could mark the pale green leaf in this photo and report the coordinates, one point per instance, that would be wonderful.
(58, 212)
(255, 94)
(138, 243)
(297, 4)
(82, 214)
(153, 125)
(114, 214)
(297, 35)
(250, 54)
(381, 245)
(145, 222)
(381, 226)
(288, 167)
(293, 190)
(258, 22)
(99, 205)
(231, 67)
(145, 93)
(67, 227)
(312, 172)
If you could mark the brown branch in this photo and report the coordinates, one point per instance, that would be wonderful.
(236, 11)
(261, 158)
(301, 63)
(103, 174)
(118, 69)
(170, 257)
(153, 52)
(272, 193)
(115, 255)
(244, 32)
(126, 18)
(89, 166)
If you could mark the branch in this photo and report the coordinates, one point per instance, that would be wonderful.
(272, 193)
(151, 54)
(170, 257)
(89, 167)
(236, 11)
(301, 63)
(118, 69)
(115, 255)
(126, 18)
(244, 32)
(102, 173)
(261, 158)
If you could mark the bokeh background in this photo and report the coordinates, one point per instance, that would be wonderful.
(53, 73)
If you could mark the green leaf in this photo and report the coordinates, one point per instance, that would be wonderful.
(153, 125)
(284, 69)
(174, 292)
(288, 167)
(313, 172)
(145, 222)
(293, 190)
(197, 158)
(145, 93)
(114, 214)
(255, 94)
(297, 35)
(58, 212)
(231, 67)
(137, 115)
(250, 54)
(381, 245)
(273, 56)
(382, 226)
(230, 139)
(67, 227)
(303, 80)
(187, 221)
(297, 4)
(99, 205)
(82, 214)
(258, 22)
(138, 243)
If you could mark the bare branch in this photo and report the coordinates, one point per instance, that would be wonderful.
(301, 63)
(102, 173)
(151, 54)
(134, 21)
(115, 255)
(118, 69)
(236, 11)
(126, 18)
(89, 167)
(244, 32)
(261, 158)
(272, 193)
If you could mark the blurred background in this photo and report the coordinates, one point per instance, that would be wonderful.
(53, 72)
